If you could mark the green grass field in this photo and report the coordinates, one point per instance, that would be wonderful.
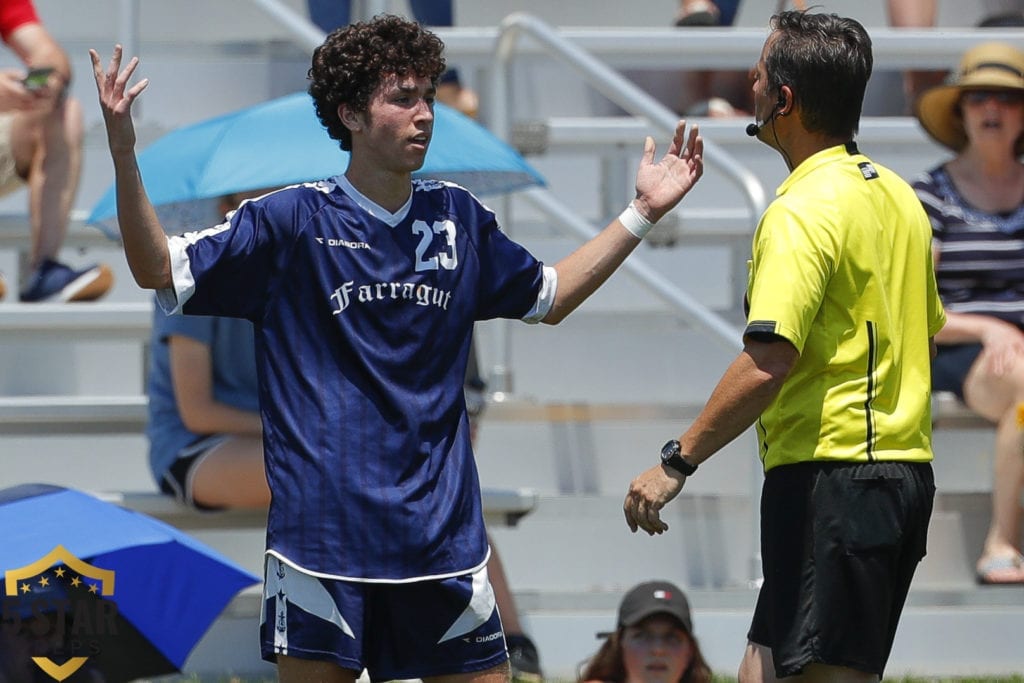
(912, 679)
(718, 679)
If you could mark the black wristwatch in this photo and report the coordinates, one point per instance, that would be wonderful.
(671, 456)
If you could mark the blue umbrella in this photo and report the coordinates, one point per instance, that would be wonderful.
(91, 585)
(281, 142)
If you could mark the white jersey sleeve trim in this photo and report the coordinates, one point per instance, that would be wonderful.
(182, 286)
(545, 298)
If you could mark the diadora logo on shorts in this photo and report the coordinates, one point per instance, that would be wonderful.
(331, 242)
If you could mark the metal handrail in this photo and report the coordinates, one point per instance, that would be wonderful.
(608, 82)
(663, 47)
(677, 49)
(635, 101)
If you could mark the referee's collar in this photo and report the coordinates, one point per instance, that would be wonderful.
(815, 161)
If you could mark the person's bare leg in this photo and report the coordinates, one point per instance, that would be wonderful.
(915, 14)
(996, 397)
(1008, 481)
(695, 88)
(295, 670)
(758, 666)
(48, 155)
(498, 674)
(232, 475)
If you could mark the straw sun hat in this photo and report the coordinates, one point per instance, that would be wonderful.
(989, 66)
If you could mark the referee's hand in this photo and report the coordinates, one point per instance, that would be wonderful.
(648, 494)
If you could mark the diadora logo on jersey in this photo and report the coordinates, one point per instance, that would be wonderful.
(331, 242)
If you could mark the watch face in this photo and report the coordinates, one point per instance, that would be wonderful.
(670, 450)
(671, 456)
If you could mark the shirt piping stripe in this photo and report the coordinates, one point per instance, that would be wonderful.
(868, 414)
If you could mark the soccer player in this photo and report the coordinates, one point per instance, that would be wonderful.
(363, 290)
(842, 308)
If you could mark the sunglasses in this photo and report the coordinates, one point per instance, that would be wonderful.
(976, 97)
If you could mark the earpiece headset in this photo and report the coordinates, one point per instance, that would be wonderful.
(754, 128)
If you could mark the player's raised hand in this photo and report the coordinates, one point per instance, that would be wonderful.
(660, 186)
(116, 98)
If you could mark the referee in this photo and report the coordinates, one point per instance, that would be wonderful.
(842, 307)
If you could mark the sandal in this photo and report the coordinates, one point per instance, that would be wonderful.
(1005, 570)
(699, 14)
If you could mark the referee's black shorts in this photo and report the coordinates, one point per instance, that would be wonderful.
(839, 546)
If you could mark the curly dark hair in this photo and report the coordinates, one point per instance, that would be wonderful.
(355, 59)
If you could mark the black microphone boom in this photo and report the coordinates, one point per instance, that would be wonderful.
(753, 129)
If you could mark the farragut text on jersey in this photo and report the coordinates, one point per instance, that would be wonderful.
(420, 294)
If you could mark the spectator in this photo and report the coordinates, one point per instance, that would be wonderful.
(841, 308)
(718, 94)
(331, 14)
(362, 348)
(41, 144)
(204, 428)
(707, 12)
(976, 205)
(924, 14)
(653, 641)
(915, 14)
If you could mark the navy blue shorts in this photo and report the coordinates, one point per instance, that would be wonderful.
(951, 365)
(177, 480)
(393, 630)
(839, 546)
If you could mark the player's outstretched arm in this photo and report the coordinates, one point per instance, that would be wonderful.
(145, 244)
(659, 187)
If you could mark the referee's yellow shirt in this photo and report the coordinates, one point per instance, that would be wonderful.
(842, 268)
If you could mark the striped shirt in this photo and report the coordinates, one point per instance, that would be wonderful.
(981, 255)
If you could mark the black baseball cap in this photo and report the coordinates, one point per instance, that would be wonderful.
(655, 597)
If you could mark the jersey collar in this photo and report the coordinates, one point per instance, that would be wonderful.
(371, 207)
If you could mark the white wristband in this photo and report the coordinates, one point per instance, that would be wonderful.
(634, 221)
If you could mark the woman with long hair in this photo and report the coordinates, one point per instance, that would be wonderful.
(653, 642)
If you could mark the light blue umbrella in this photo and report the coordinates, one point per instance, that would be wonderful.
(281, 142)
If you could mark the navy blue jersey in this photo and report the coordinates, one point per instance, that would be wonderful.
(363, 323)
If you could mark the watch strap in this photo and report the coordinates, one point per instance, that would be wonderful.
(680, 464)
